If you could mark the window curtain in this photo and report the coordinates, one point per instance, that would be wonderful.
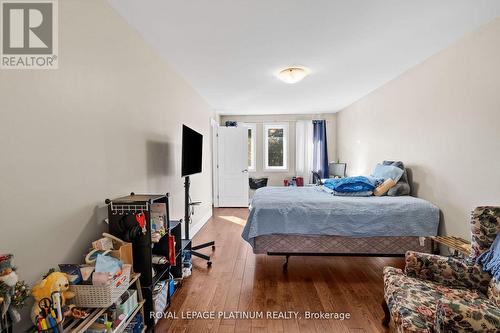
(304, 150)
(320, 151)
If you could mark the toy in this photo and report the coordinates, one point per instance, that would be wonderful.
(53, 283)
(22, 292)
(8, 282)
(76, 313)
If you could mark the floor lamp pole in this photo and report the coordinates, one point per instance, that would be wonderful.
(187, 221)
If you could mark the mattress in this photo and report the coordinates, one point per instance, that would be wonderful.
(269, 244)
(310, 211)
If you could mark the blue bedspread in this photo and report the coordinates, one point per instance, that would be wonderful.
(312, 211)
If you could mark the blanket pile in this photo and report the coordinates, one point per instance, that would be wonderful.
(352, 186)
(491, 259)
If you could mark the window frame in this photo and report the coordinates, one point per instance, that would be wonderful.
(265, 128)
(253, 128)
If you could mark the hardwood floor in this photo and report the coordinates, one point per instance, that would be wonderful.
(242, 281)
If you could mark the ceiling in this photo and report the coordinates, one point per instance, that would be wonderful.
(230, 50)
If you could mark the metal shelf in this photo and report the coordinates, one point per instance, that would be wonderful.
(81, 325)
(185, 243)
(159, 276)
(174, 224)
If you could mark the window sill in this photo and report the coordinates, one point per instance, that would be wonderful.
(275, 170)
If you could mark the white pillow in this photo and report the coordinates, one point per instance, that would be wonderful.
(388, 171)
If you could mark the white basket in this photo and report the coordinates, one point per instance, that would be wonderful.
(90, 296)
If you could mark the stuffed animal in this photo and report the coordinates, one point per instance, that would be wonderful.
(8, 281)
(54, 282)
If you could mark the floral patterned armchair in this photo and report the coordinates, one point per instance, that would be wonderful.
(446, 294)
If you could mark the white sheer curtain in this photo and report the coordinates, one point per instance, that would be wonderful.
(304, 150)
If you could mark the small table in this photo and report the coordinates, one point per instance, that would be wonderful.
(457, 244)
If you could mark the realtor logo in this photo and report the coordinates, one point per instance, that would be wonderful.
(29, 34)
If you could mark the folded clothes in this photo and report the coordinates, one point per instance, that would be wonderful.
(159, 260)
(351, 184)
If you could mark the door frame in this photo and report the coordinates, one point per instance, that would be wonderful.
(215, 165)
(218, 169)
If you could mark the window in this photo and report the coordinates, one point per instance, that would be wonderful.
(251, 146)
(276, 147)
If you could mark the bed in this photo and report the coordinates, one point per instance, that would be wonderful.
(309, 221)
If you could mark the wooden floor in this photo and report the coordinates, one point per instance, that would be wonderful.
(242, 281)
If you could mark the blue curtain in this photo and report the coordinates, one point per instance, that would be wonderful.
(320, 151)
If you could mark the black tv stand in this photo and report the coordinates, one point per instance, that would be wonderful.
(187, 220)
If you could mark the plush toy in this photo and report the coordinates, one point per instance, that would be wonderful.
(8, 281)
(54, 282)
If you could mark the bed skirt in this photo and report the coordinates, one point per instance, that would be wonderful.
(371, 246)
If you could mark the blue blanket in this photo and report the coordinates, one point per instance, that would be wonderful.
(346, 194)
(491, 259)
(312, 211)
(350, 184)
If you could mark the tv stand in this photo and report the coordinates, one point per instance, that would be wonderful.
(187, 220)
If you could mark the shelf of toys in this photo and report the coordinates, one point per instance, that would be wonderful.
(131, 271)
(88, 323)
(101, 296)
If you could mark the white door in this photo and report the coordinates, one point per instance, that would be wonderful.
(233, 168)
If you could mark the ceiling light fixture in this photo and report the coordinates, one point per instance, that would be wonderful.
(293, 74)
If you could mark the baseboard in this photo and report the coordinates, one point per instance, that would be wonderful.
(194, 228)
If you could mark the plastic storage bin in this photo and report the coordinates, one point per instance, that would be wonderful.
(90, 296)
(128, 306)
(161, 299)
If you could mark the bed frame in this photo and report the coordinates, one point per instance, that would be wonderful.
(298, 254)
(309, 245)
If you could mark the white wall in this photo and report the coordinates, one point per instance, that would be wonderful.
(276, 178)
(442, 118)
(106, 123)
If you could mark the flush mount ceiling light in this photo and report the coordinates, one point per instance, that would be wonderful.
(293, 74)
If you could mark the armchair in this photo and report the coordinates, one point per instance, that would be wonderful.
(445, 294)
(448, 271)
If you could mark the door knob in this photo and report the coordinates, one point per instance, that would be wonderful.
(246, 170)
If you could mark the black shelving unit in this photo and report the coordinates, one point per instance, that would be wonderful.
(142, 247)
(175, 230)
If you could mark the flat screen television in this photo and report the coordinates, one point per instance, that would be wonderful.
(192, 146)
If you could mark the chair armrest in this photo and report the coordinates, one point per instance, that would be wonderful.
(446, 270)
(462, 315)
